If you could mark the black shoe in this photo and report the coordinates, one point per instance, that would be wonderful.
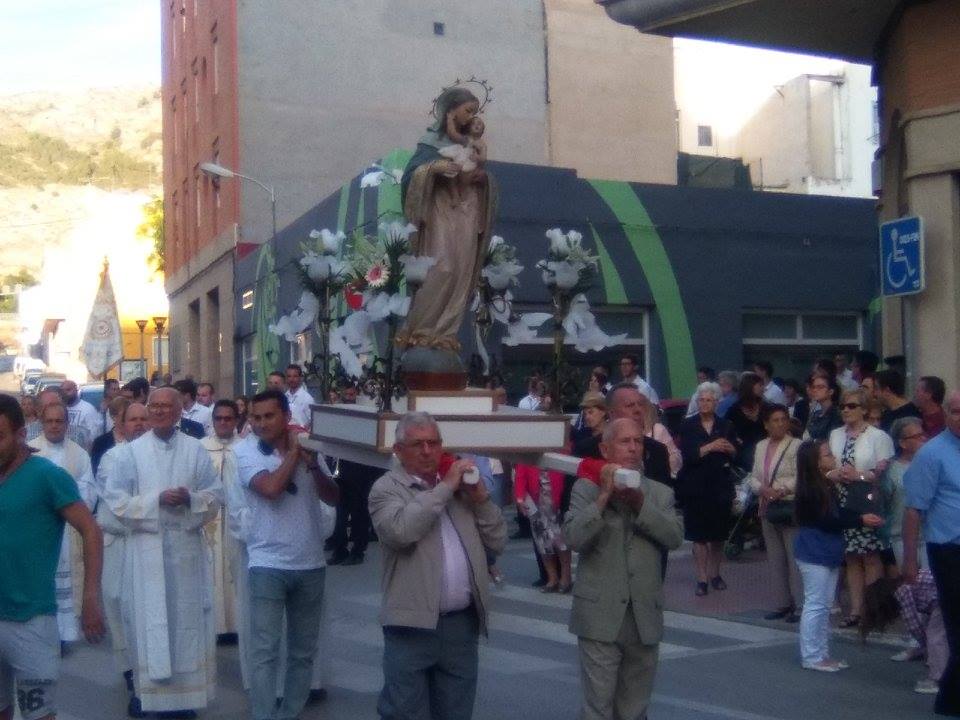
(134, 709)
(778, 614)
(701, 590)
(317, 696)
(338, 558)
(227, 639)
(539, 583)
(177, 714)
(128, 681)
(718, 584)
(353, 559)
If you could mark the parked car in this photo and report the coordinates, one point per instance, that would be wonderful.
(49, 380)
(30, 379)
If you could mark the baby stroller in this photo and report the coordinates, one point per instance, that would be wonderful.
(746, 528)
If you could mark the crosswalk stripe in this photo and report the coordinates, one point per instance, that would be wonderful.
(725, 628)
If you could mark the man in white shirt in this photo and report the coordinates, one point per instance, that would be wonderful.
(290, 512)
(163, 488)
(300, 400)
(845, 377)
(772, 392)
(192, 410)
(535, 390)
(629, 364)
(54, 445)
(206, 395)
(81, 413)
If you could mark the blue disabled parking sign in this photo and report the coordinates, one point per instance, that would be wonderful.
(901, 256)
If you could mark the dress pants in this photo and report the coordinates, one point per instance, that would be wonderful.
(617, 677)
(431, 674)
(299, 594)
(945, 566)
(353, 513)
(784, 576)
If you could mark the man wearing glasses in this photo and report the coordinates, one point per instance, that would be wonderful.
(433, 529)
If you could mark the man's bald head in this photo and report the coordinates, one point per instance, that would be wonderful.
(48, 397)
(53, 420)
(625, 401)
(623, 443)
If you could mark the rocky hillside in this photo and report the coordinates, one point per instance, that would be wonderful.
(57, 149)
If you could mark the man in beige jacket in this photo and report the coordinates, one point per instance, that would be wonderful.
(621, 534)
(433, 531)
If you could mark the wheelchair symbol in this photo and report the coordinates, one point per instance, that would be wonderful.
(898, 267)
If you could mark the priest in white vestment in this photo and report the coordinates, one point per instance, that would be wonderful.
(55, 446)
(223, 546)
(164, 489)
(131, 423)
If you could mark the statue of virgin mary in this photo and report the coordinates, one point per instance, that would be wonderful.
(452, 210)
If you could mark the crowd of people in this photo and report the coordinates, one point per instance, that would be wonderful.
(193, 520)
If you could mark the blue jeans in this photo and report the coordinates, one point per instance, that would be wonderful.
(299, 594)
(819, 589)
(431, 674)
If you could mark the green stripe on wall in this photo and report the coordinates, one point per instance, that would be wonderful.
(612, 284)
(652, 256)
(342, 208)
(388, 197)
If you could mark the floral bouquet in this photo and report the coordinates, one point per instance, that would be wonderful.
(568, 267)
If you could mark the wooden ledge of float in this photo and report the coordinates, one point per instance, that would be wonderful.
(362, 434)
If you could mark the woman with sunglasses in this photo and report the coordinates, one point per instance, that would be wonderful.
(863, 452)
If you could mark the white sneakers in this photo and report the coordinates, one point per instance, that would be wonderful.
(926, 686)
(827, 665)
(908, 654)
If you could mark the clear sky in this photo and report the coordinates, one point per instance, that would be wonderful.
(63, 44)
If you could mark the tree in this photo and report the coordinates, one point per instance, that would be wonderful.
(152, 229)
(8, 299)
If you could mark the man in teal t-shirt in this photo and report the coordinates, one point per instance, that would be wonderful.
(36, 498)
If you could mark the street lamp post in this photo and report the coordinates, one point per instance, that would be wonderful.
(142, 324)
(158, 323)
(212, 169)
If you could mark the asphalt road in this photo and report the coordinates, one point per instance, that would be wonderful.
(727, 666)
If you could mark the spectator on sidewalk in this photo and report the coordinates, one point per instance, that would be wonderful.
(744, 415)
(917, 603)
(629, 371)
(825, 415)
(705, 485)
(772, 392)
(908, 437)
(891, 386)
(928, 397)
(932, 484)
(774, 480)
(819, 547)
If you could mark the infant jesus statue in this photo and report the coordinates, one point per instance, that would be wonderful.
(468, 151)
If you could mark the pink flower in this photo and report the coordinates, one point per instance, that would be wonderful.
(377, 275)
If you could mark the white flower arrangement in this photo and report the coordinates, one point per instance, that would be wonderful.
(568, 267)
(376, 175)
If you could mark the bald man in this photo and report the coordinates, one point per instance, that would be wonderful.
(163, 489)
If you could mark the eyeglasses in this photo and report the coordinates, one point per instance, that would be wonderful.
(850, 406)
(916, 436)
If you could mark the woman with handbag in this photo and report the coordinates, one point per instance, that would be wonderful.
(774, 480)
(864, 453)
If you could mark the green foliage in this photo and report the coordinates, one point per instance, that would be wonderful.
(8, 303)
(37, 159)
(152, 229)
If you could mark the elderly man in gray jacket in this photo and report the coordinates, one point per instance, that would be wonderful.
(617, 615)
(433, 531)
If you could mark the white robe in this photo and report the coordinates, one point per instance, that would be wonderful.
(69, 577)
(223, 546)
(114, 558)
(168, 603)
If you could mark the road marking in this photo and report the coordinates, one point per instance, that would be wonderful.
(720, 710)
(725, 628)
